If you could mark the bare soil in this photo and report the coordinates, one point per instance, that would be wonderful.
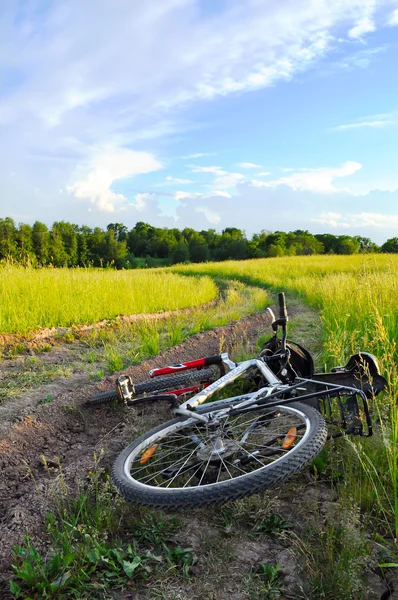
(65, 430)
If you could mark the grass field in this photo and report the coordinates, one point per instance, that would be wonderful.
(357, 300)
(35, 298)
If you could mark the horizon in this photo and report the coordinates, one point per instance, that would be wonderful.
(201, 114)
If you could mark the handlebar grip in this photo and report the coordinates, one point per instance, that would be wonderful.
(282, 306)
(213, 360)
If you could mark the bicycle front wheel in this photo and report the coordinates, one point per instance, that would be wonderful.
(185, 463)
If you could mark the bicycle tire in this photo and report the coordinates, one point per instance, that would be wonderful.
(157, 384)
(220, 492)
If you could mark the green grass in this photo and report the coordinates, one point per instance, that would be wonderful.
(31, 299)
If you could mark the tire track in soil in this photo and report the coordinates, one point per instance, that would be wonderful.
(66, 430)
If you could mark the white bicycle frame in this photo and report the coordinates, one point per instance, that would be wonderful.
(187, 408)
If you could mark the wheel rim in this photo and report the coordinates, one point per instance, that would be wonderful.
(189, 454)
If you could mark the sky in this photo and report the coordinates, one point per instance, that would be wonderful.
(255, 114)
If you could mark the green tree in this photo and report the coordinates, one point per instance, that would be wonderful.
(198, 249)
(121, 231)
(58, 254)
(8, 238)
(25, 242)
(180, 253)
(390, 245)
(347, 245)
(41, 242)
(68, 233)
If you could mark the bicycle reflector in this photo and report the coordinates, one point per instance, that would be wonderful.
(148, 454)
(290, 438)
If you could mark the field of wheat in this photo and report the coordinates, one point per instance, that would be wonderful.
(31, 299)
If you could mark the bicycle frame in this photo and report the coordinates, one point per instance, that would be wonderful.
(268, 395)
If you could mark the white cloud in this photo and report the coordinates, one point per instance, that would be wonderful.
(199, 169)
(223, 179)
(210, 215)
(372, 121)
(318, 180)
(198, 155)
(393, 18)
(363, 124)
(365, 25)
(331, 218)
(220, 193)
(263, 174)
(364, 219)
(107, 166)
(170, 179)
(141, 201)
(248, 165)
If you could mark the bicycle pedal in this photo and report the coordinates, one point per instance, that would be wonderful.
(125, 388)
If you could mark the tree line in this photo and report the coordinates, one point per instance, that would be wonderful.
(68, 245)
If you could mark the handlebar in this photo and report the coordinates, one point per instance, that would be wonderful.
(282, 308)
(283, 318)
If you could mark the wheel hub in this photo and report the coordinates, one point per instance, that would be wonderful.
(217, 448)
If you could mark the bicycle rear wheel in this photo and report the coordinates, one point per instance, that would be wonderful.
(185, 463)
(159, 384)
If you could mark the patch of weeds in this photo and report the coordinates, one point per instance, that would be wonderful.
(67, 574)
(246, 513)
(25, 379)
(16, 350)
(91, 356)
(68, 337)
(265, 582)
(335, 552)
(175, 330)
(150, 338)
(47, 399)
(96, 375)
(272, 523)
(180, 559)
(155, 527)
(97, 542)
(114, 361)
(44, 348)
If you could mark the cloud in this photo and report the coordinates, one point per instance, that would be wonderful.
(141, 201)
(393, 18)
(198, 155)
(222, 179)
(210, 215)
(365, 25)
(282, 208)
(318, 180)
(170, 180)
(199, 169)
(106, 167)
(363, 219)
(248, 165)
(220, 193)
(372, 121)
(363, 124)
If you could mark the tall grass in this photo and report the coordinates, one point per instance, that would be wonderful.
(36, 298)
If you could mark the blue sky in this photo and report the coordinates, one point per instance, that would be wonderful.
(202, 113)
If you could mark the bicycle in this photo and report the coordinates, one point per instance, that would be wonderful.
(214, 452)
